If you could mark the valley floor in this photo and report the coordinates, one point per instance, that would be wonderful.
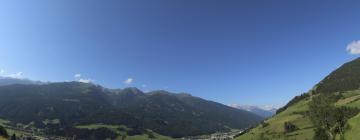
(23, 132)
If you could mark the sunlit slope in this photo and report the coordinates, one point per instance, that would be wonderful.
(121, 130)
(343, 83)
(295, 114)
(354, 123)
(275, 127)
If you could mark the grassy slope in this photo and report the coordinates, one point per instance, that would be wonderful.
(115, 129)
(353, 133)
(4, 122)
(97, 126)
(354, 123)
(275, 130)
(145, 137)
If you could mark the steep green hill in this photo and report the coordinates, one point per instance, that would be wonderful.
(57, 108)
(345, 78)
(328, 111)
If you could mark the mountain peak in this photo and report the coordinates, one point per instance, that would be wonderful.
(130, 90)
(159, 92)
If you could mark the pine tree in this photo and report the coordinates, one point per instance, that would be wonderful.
(13, 137)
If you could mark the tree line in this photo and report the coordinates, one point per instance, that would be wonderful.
(330, 121)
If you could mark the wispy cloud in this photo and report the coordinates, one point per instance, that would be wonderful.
(354, 47)
(18, 75)
(129, 81)
(85, 80)
(78, 77)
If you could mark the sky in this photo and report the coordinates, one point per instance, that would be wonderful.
(251, 52)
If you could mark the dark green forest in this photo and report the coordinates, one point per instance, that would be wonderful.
(75, 103)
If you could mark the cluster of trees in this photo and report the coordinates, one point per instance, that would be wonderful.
(98, 134)
(329, 120)
(3, 132)
(13, 137)
(264, 124)
(87, 134)
(289, 127)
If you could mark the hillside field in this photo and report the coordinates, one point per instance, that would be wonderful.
(294, 114)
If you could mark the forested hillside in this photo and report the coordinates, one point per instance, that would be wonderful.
(57, 109)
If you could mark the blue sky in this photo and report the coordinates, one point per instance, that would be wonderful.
(247, 52)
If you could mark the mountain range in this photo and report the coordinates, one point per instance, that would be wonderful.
(263, 111)
(60, 108)
(9, 81)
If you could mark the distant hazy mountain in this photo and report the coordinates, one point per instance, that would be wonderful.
(75, 103)
(263, 111)
(10, 81)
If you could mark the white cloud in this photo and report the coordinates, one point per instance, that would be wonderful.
(354, 47)
(85, 80)
(129, 81)
(18, 75)
(143, 85)
(78, 75)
